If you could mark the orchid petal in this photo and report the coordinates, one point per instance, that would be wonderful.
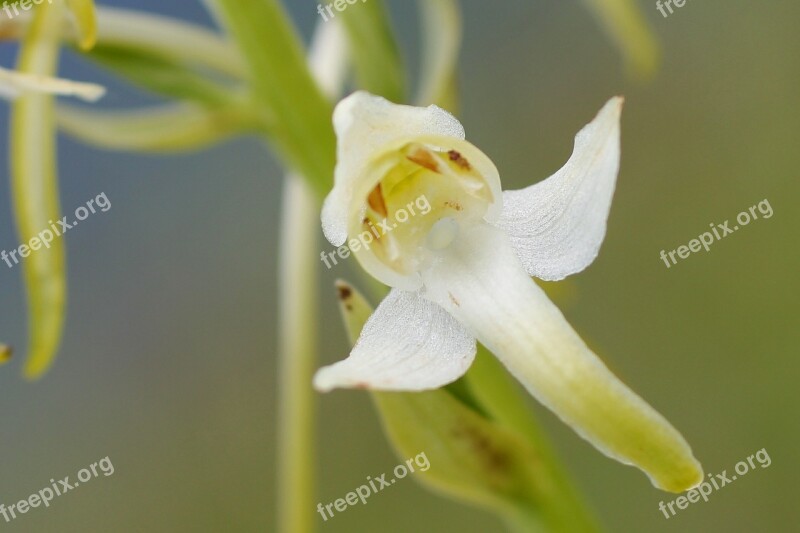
(364, 123)
(85, 20)
(162, 128)
(407, 344)
(483, 285)
(557, 225)
(14, 84)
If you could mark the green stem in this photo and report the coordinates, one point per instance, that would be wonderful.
(526, 520)
(297, 357)
(34, 186)
(283, 86)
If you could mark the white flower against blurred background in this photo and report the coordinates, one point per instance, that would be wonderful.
(462, 272)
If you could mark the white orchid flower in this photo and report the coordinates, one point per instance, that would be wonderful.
(14, 84)
(462, 272)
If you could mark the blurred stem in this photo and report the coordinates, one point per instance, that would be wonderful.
(527, 520)
(376, 55)
(297, 356)
(283, 87)
(34, 186)
(298, 298)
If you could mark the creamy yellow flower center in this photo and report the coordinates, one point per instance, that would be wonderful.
(421, 195)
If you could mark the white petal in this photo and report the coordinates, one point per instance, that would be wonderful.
(14, 84)
(365, 123)
(407, 344)
(483, 284)
(557, 225)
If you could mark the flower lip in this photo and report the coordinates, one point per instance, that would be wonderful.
(458, 183)
(364, 125)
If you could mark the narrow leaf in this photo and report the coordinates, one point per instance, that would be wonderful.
(282, 84)
(626, 25)
(179, 41)
(441, 40)
(35, 192)
(375, 52)
(161, 74)
(86, 21)
(167, 128)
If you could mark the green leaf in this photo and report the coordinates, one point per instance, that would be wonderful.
(86, 20)
(167, 128)
(473, 458)
(161, 74)
(375, 52)
(626, 25)
(182, 42)
(441, 41)
(282, 84)
(188, 44)
(34, 188)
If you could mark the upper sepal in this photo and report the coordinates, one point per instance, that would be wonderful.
(364, 124)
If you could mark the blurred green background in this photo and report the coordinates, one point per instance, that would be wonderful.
(168, 364)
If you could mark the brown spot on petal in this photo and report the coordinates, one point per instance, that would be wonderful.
(454, 205)
(453, 299)
(459, 159)
(376, 201)
(425, 159)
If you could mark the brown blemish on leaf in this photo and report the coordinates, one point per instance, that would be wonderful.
(493, 458)
(376, 201)
(425, 159)
(459, 159)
